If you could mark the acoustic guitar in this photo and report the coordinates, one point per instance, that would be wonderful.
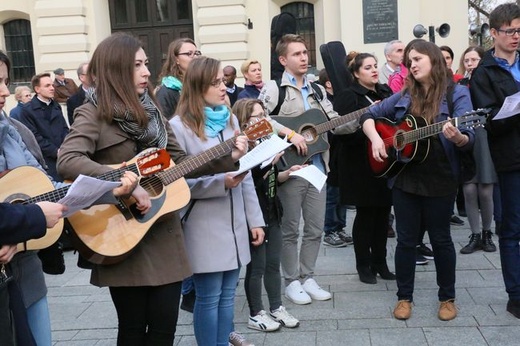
(408, 140)
(312, 125)
(28, 185)
(106, 234)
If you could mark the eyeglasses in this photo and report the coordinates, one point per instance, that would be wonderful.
(192, 53)
(510, 32)
(467, 61)
(259, 115)
(216, 82)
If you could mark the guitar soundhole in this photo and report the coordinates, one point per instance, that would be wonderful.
(152, 185)
(399, 140)
(16, 198)
(309, 133)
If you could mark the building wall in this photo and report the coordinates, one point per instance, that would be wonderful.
(65, 32)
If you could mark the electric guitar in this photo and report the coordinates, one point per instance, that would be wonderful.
(106, 234)
(312, 125)
(408, 140)
(28, 185)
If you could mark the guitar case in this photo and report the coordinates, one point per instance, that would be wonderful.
(334, 56)
(281, 24)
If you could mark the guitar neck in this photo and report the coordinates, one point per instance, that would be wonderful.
(56, 195)
(194, 162)
(336, 122)
(425, 131)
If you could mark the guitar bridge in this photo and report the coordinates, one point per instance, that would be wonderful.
(123, 208)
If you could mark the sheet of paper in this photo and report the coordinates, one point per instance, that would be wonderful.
(84, 191)
(313, 175)
(265, 151)
(510, 107)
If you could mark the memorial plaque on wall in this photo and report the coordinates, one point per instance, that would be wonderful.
(380, 20)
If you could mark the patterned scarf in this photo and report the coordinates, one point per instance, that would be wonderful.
(154, 135)
(216, 120)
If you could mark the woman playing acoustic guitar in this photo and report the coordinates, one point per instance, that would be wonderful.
(120, 119)
(424, 193)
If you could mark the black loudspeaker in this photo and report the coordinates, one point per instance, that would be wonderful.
(475, 29)
(419, 31)
(444, 30)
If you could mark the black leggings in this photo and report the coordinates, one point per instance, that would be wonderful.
(147, 314)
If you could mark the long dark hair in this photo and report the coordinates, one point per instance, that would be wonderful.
(426, 103)
(111, 72)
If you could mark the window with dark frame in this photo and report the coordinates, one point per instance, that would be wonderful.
(19, 48)
(304, 14)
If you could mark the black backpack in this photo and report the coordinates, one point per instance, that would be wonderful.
(281, 95)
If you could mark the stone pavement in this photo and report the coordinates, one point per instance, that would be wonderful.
(358, 314)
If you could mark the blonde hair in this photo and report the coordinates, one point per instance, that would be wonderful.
(245, 66)
(18, 92)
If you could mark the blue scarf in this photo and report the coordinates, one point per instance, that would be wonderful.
(216, 120)
(172, 83)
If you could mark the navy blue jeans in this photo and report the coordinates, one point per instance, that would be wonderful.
(335, 212)
(412, 211)
(510, 232)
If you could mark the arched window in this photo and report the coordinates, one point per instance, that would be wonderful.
(18, 44)
(304, 14)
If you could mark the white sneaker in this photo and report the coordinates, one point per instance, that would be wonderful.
(315, 291)
(281, 316)
(295, 293)
(236, 339)
(263, 322)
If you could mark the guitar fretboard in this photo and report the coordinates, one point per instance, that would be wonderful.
(194, 162)
(56, 195)
(332, 124)
(425, 131)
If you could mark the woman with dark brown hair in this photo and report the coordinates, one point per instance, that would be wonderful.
(180, 53)
(358, 186)
(423, 194)
(120, 120)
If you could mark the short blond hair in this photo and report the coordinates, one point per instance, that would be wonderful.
(245, 65)
(18, 92)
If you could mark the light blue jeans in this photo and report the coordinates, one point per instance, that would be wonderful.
(214, 306)
(40, 322)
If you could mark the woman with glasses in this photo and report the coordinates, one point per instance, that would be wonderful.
(22, 94)
(180, 53)
(468, 62)
(224, 216)
(265, 258)
(252, 71)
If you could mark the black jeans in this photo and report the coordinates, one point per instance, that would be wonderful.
(147, 314)
(370, 234)
(411, 212)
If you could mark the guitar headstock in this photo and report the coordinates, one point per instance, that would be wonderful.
(152, 161)
(472, 119)
(258, 130)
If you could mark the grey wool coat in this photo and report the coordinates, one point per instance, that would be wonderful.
(160, 258)
(216, 230)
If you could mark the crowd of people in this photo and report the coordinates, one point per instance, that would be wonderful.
(252, 219)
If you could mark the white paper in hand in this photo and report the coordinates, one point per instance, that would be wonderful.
(313, 175)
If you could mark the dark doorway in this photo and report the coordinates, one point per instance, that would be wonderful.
(155, 22)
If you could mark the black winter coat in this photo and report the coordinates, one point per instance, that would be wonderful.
(490, 84)
(357, 184)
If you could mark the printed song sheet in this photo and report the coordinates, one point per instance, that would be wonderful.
(510, 107)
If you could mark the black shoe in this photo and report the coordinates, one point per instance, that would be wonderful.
(366, 275)
(383, 271)
(425, 251)
(513, 307)
(390, 232)
(455, 220)
(420, 260)
(188, 301)
(487, 242)
(475, 243)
